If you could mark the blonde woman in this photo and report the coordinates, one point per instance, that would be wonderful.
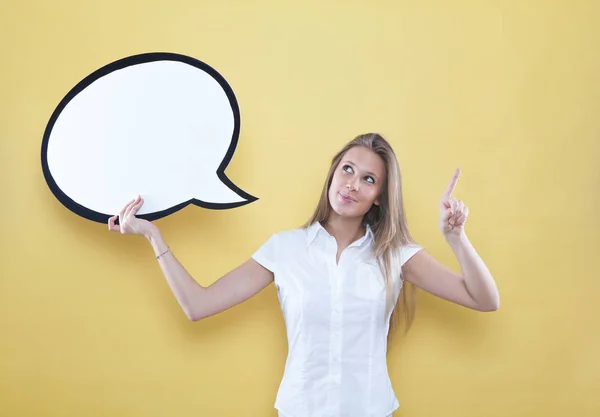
(342, 281)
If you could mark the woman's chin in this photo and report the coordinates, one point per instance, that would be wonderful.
(345, 211)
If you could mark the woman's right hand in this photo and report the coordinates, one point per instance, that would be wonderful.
(128, 223)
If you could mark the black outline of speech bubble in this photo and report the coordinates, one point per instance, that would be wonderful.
(124, 63)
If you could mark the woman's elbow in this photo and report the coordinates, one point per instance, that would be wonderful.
(491, 306)
(193, 315)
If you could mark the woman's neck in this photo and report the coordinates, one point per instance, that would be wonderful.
(345, 230)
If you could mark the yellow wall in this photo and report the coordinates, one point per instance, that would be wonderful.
(509, 91)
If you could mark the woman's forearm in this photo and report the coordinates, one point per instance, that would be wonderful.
(478, 278)
(187, 291)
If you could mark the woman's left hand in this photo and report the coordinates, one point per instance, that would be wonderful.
(453, 212)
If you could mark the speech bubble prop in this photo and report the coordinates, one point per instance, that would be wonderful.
(161, 125)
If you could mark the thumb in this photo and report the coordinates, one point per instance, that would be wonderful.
(111, 224)
(447, 214)
(445, 205)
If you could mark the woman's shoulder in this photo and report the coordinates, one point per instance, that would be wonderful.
(279, 243)
(407, 251)
(296, 235)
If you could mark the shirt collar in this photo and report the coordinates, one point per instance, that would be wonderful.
(314, 229)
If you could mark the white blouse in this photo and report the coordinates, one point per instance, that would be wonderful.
(336, 329)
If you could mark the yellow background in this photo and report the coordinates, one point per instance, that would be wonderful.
(509, 91)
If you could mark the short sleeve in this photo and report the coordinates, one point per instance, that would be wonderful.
(408, 251)
(266, 255)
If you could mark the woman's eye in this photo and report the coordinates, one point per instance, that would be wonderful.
(348, 168)
(370, 180)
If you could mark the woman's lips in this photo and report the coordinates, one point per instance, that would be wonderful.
(347, 199)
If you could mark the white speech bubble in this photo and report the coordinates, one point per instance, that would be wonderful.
(162, 125)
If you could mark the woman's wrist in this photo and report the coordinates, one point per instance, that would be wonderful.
(155, 238)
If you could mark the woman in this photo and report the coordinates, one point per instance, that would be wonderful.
(338, 279)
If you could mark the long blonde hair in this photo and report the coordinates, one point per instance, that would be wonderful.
(387, 221)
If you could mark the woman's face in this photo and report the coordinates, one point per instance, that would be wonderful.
(357, 182)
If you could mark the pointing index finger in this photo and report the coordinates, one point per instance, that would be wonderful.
(452, 184)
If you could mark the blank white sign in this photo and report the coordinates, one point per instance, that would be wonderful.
(161, 125)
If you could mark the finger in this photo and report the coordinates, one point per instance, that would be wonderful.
(461, 220)
(130, 205)
(463, 216)
(454, 204)
(126, 206)
(447, 214)
(458, 207)
(122, 212)
(135, 207)
(454, 219)
(452, 185)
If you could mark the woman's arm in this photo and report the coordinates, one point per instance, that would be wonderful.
(476, 287)
(196, 301)
(199, 302)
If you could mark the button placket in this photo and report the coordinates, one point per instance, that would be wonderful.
(334, 394)
(336, 339)
(337, 319)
